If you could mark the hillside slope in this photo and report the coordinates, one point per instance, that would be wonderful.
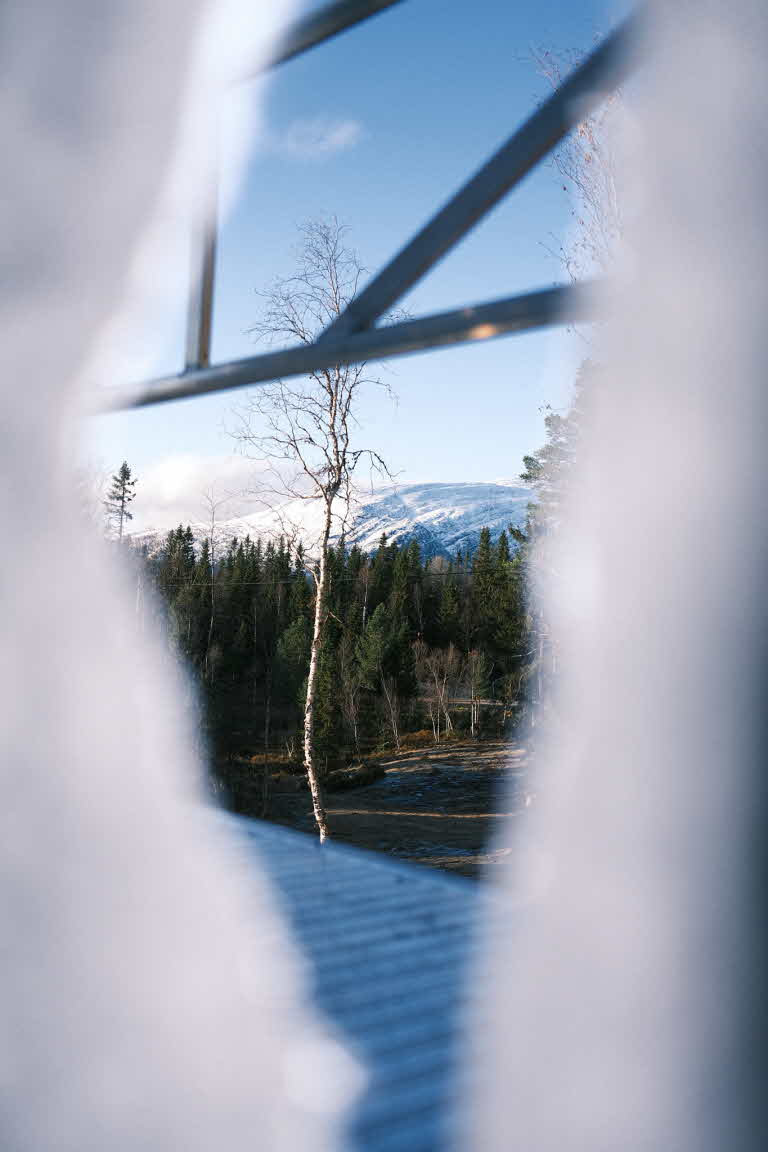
(444, 518)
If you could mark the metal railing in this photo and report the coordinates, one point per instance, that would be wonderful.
(352, 337)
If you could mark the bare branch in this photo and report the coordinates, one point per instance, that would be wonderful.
(302, 430)
(587, 166)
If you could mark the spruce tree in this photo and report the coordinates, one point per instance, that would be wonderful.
(449, 610)
(121, 494)
(484, 607)
(249, 644)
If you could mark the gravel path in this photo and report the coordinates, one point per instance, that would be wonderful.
(439, 806)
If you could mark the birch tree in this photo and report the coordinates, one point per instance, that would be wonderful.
(212, 504)
(476, 671)
(439, 671)
(303, 431)
(588, 167)
(392, 700)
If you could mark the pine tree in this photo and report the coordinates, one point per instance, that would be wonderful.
(484, 588)
(329, 721)
(398, 595)
(291, 664)
(548, 471)
(449, 611)
(121, 494)
(416, 606)
(245, 630)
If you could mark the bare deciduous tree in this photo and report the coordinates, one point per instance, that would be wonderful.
(439, 671)
(587, 166)
(302, 430)
(91, 479)
(477, 669)
(392, 700)
(212, 503)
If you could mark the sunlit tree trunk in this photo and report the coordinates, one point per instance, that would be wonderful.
(303, 429)
(390, 695)
(310, 757)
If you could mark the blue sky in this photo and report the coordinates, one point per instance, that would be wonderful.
(378, 127)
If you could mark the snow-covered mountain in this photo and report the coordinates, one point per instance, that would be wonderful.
(442, 517)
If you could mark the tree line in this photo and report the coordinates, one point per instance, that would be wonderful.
(409, 643)
(343, 651)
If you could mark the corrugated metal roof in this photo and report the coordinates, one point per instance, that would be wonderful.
(388, 945)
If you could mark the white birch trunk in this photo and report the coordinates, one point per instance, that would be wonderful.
(310, 760)
(444, 702)
(392, 706)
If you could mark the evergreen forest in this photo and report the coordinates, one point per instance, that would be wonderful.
(414, 650)
(435, 647)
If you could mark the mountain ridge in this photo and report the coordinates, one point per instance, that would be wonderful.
(444, 517)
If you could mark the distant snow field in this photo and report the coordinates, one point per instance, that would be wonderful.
(444, 518)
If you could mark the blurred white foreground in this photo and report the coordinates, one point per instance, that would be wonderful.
(148, 996)
(149, 999)
(626, 1007)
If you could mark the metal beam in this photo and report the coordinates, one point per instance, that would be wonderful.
(564, 109)
(324, 24)
(304, 34)
(202, 269)
(550, 306)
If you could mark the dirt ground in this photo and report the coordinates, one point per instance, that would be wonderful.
(440, 806)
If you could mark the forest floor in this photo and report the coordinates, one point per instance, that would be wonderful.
(442, 806)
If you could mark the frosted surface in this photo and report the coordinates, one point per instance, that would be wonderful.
(626, 1009)
(149, 996)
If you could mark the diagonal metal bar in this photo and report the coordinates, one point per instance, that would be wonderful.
(202, 271)
(304, 34)
(550, 306)
(324, 24)
(582, 91)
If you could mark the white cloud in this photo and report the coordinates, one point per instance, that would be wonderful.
(316, 137)
(173, 490)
